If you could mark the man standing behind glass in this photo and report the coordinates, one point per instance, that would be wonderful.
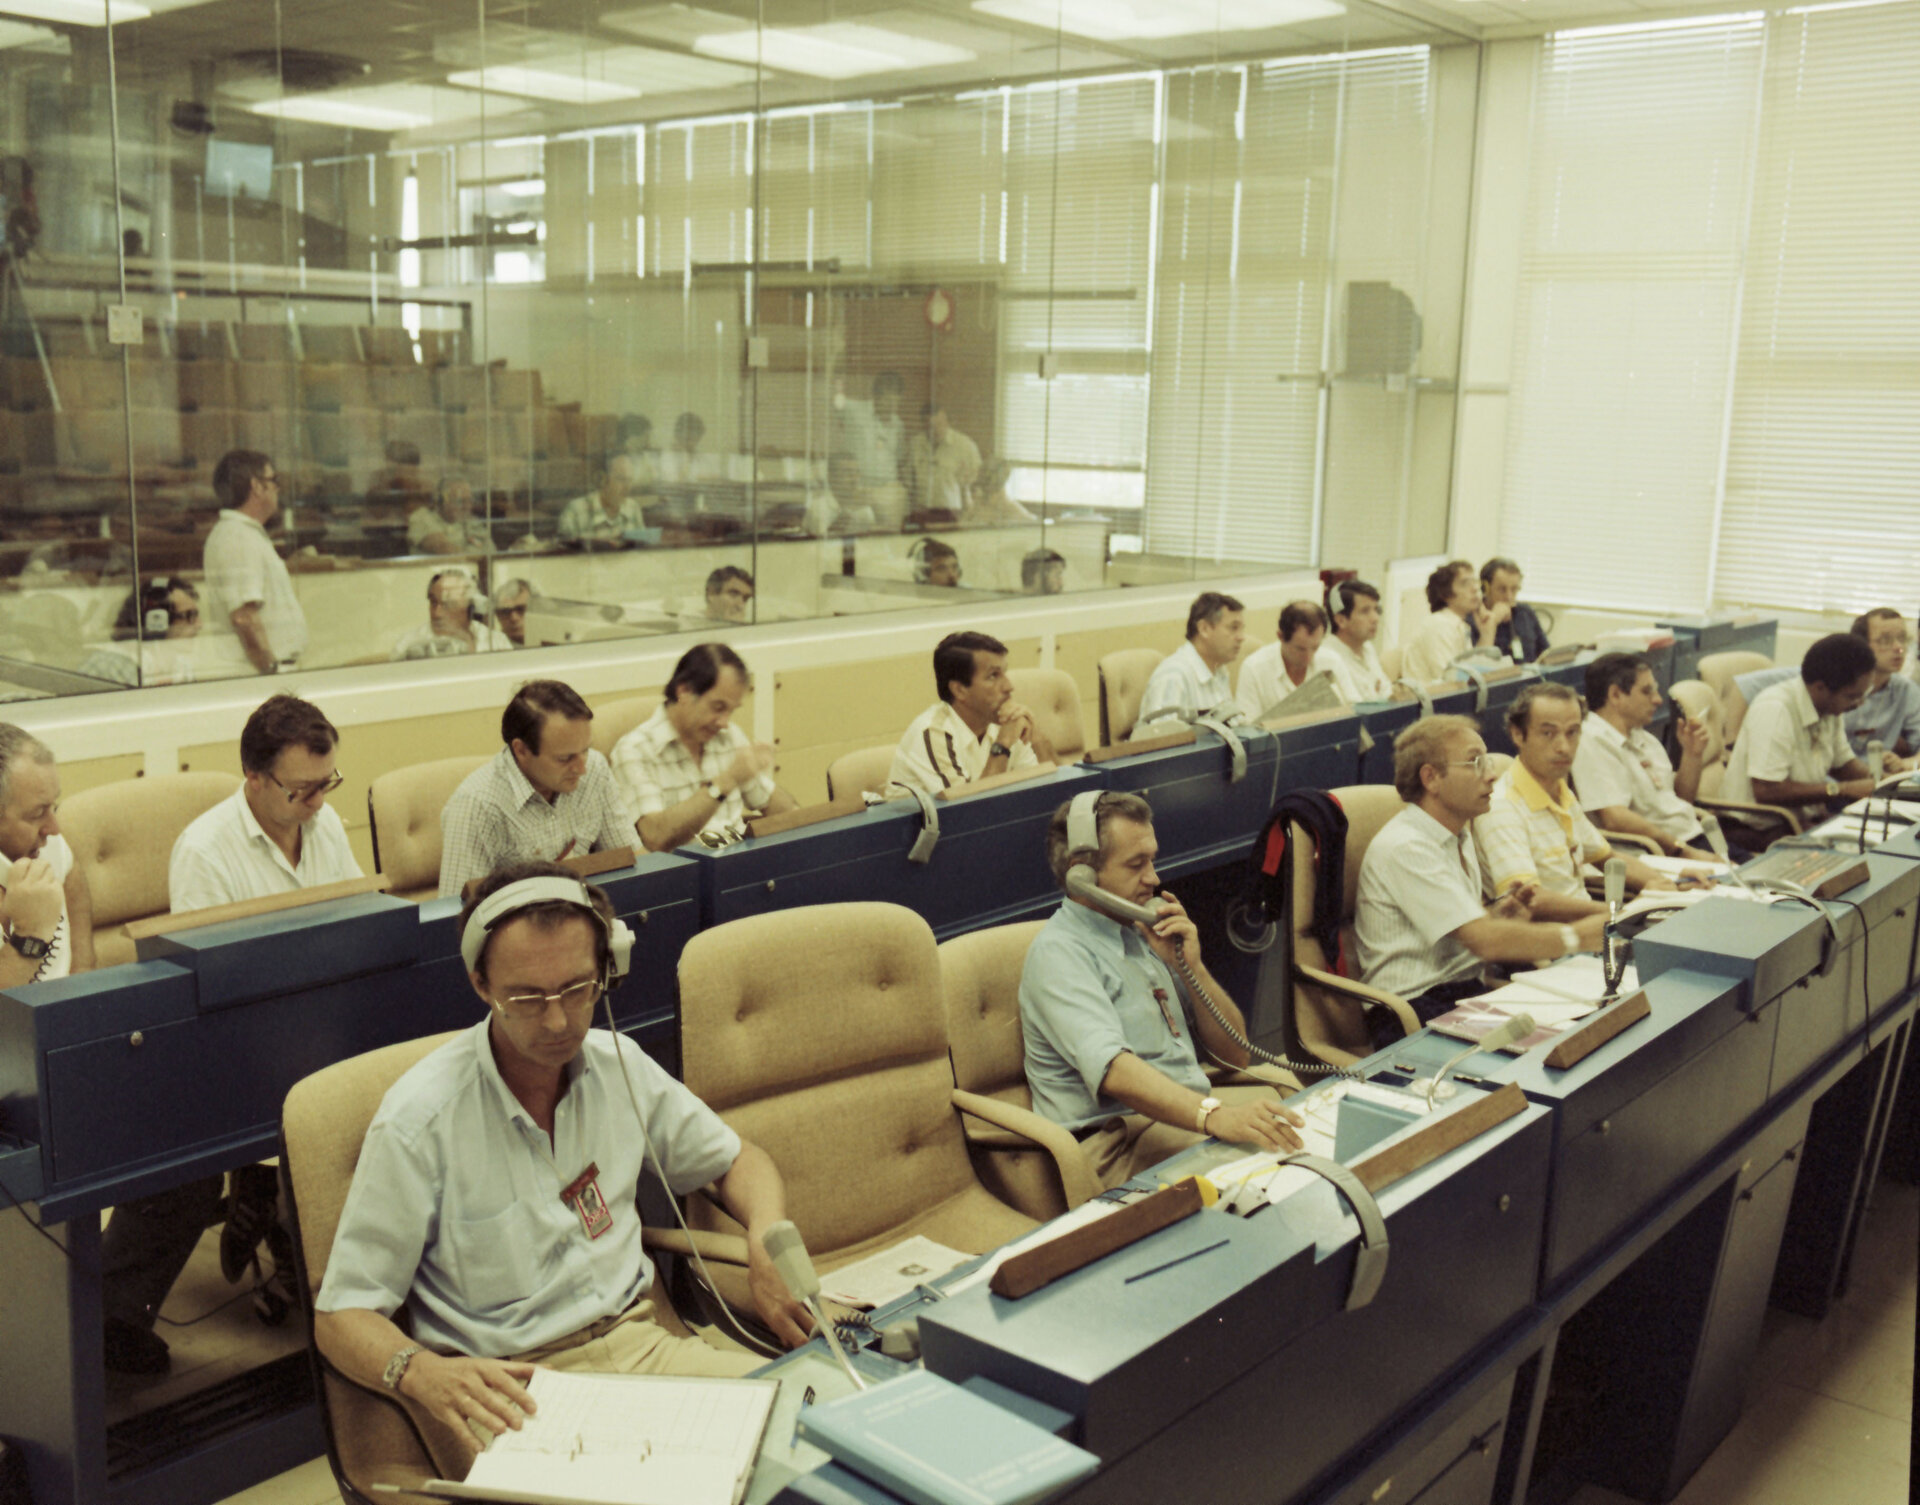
(873, 434)
(946, 463)
(249, 592)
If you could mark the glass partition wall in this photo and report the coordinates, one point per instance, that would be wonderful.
(554, 322)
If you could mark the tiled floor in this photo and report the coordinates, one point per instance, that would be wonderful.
(1829, 1420)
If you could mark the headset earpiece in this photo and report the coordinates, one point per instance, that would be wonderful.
(1083, 828)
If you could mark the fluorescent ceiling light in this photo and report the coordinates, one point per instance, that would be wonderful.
(542, 83)
(75, 12)
(838, 49)
(19, 34)
(332, 109)
(524, 188)
(376, 107)
(1136, 20)
(682, 25)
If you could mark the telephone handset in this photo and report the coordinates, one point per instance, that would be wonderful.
(1082, 885)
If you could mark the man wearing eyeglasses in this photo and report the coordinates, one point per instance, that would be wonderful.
(1421, 928)
(510, 603)
(273, 835)
(249, 592)
(276, 833)
(495, 1197)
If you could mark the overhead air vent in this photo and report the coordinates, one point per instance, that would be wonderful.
(303, 70)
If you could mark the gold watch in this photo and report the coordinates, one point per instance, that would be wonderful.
(1208, 1105)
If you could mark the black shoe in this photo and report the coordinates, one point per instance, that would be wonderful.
(252, 1207)
(132, 1349)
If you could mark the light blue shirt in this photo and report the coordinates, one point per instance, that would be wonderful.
(1183, 686)
(455, 1207)
(1885, 716)
(1086, 995)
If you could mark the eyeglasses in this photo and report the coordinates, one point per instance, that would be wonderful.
(1482, 765)
(191, 614)
(576, 1000)
(298, 792)
(511, 611)
(1893, 640)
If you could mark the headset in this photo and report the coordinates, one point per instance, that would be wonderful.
(917, 556)
(478, 606)
(508, 900)
(1339, 603)
(156, 607)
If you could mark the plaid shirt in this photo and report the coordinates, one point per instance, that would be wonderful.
(653, 771)
(496, 815)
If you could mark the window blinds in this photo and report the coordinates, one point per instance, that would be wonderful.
(1627, 302)
(1822, 504)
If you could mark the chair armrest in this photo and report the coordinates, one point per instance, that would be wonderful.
(1778, 812)
(1359, 992)
(1254, 1074)
(1076, 1176)
(1617, 839)
(726, 1248)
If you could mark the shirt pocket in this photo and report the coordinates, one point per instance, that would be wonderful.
(494, 1257)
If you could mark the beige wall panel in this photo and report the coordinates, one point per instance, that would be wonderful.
(91, 773)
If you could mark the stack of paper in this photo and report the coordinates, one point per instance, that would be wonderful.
(890, 1274)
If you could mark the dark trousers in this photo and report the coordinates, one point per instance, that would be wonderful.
(148, 1243)
(1384, 1025)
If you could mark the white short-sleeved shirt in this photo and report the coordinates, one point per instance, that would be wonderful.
(938, 751)
(1441, 639)
(1184, 687)
(242, 566)
(58, 962)
(455, 1207)
(586, 518)
(1630, 770)
(225, 856)
(1264, 681)
(470, 535)
(1784, 739)
(1532, 834)
(424, 642)
(1419, 883)
(653, 771)
(1358, 676)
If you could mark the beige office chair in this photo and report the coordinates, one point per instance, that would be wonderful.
(1717, 672)
(1054, 698)
(616, 718)
(1329, 1015)
(403, 810)
(1123, 684)
(122, 837)
(820, 1035)
(1766, 822)
(1022, 1158)
(862, 772)
(1391, 659)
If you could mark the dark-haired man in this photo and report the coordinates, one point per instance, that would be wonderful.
(1890, 713)
(1111, 1052)
(1459, 620)
(1192, 680)
(1792, 749)
(545, 795)
(1349, 654)
(249, 593)
(974, 730)
(1625, 780)
(729, 594)
(687, 770)
(443, 1219)
(944, 464)
(935, 563)
(276, 833)
(1517, 633)
(1274, 672)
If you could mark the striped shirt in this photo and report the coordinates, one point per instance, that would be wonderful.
(585, 517)
(496, 816)
(939, 752)
(1183, 687)
(653, 771)
(1536, 835)
(1419, 883)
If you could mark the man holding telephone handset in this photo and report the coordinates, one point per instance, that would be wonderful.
(1111, 1051)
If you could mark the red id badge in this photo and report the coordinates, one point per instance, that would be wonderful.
(582, 1194)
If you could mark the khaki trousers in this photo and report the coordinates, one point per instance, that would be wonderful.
(631, 1343)
(1121, 1148)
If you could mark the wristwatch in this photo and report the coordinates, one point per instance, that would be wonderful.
(714, 792)
(1569, 940)
(396, 1369)
(1833, 788)
(1207, 1107)
(30, 946)
(1000, 750)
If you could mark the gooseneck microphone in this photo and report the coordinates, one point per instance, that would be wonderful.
(1439, 1090)
(1613, 949)
(788, 1251)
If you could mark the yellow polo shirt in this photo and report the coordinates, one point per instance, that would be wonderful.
(1536, 835)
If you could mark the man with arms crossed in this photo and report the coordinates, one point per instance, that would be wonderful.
(687, 769)
(1349, 651)
(974, 730)
(1111, 1053)
(1792, 749)
(494, 1196)
(1534, 834)
(544, 796)
(249, 592)
(1192, 680)
(1274, 672)
(1625, 780)
(1420, 928)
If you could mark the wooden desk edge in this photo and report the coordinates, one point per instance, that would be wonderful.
(1583, 1042)
(995, 781)
(590, 864)
(1149, 744)
(193, 919)
(1426, 1144)
(806, 815)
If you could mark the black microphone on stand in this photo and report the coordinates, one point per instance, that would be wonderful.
(1613, 949)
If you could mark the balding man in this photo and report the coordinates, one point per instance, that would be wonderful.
(46, 910)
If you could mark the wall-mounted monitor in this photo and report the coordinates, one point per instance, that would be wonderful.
(239, 170)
